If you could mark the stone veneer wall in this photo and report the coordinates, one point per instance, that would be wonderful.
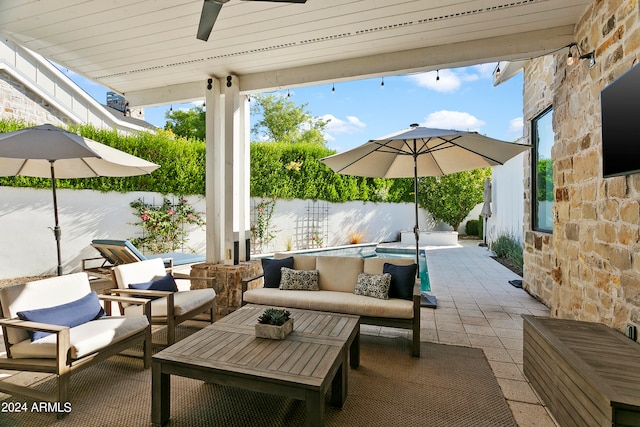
(589, 268)
(18, 102)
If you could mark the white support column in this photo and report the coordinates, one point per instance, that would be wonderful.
(244, 164)
(214, 169)
(231, 92)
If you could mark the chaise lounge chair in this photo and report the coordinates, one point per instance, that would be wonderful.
(118, 252)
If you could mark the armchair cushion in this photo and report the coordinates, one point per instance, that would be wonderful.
(41, 294)
(71, 314)
(271, 269)
(166, 283)
(183, 302)
(84, 339)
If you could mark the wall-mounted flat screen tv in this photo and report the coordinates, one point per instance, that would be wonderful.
(620, 105)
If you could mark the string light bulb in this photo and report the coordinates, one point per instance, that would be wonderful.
(382, 82)
(437, 75)
(333, 87)
(570, 58)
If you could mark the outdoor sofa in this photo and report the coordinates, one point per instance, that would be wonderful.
(337, 279)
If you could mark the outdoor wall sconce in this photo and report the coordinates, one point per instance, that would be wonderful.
(229, 81)
(591, 56)
(209, 84)
(571, 59)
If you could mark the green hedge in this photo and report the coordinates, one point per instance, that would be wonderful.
(277, 169)
(294, 171)
(181, 171)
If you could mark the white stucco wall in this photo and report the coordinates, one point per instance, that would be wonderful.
(27, 245)
(507, 188)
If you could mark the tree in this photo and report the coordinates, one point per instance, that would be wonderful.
(450, 198)
(188, 124)
(282, 120)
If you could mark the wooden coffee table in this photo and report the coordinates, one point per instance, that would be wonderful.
(302, 366)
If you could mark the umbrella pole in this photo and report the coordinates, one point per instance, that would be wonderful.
(56, 228)
(426, 300)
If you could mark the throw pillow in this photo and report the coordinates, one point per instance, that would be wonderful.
(403, 277)
(373, 285)
(70, 314)
(299, 280)
(271, 268)
(166, 283)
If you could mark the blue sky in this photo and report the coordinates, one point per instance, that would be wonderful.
(462, 99)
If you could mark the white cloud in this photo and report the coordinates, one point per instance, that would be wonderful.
(485, 71)
(448, 82)
(452, 79)
(336, 126)
(516, 127)
(458, 120)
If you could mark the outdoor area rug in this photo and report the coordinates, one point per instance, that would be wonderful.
(447, 386)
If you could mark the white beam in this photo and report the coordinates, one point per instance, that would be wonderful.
(504, 48)
(214, 167)
(173, 94)
(244, 172)
(231, 139)
(511, 47)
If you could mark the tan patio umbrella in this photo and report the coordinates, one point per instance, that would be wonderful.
(420, 151)
(47, 151)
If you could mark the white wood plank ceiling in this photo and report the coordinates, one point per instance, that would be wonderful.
(147, 49)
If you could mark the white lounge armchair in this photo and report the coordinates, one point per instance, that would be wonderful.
(170, 307)
(65, 349)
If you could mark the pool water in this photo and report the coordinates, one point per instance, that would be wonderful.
(372, 251)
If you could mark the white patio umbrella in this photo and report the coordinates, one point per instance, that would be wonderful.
(486, 208)
(47, 151)
(420, 151)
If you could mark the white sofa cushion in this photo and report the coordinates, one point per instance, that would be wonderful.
(183, 302)
(337, 302)
(41, 294)
(84, 339)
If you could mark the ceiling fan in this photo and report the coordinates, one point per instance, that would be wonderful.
(210, 10)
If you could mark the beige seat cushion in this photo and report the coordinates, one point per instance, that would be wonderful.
(85, 339)
(183, 302)
(339, 273)
(338, 302)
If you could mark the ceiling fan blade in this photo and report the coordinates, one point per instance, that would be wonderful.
(282, 1)
(210, 11)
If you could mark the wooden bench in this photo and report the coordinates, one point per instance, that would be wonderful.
(588, 374)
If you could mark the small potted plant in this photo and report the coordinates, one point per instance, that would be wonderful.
(274, 323)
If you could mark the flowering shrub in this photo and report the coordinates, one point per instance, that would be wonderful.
(315, 239)
(163, 226)
(261, 232)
